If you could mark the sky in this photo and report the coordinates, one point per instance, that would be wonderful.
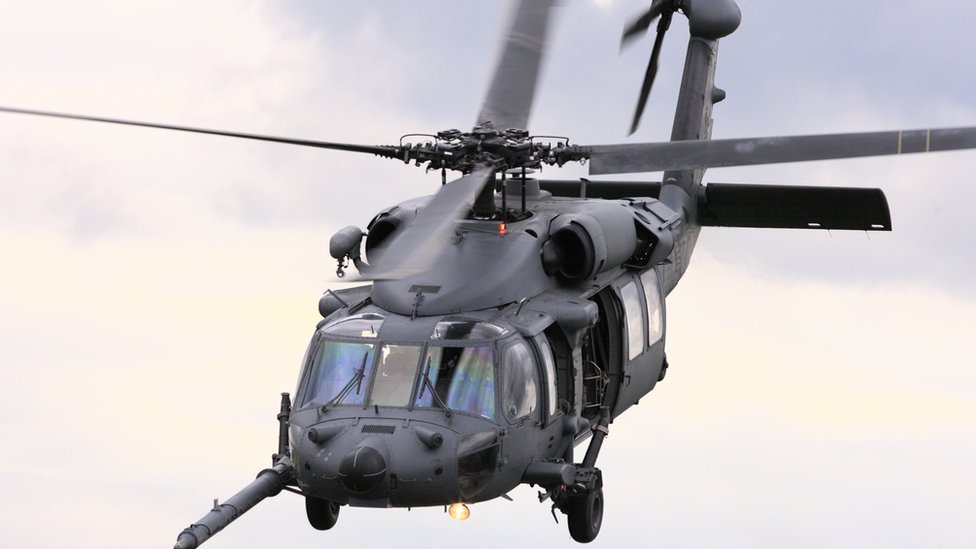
(159, 289)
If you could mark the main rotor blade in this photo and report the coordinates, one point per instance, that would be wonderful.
(424, 240)
(512, 90)
(689, 155)
(388, 152)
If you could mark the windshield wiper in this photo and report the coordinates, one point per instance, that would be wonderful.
(357, 381)
(428, 385)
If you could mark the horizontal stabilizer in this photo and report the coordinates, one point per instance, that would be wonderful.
(793, 207)
(761, 206)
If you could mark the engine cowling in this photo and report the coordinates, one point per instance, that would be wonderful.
(583, 244)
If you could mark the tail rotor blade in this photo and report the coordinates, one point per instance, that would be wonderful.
(651, 71)
(641, 24)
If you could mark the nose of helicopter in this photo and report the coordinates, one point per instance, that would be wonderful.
(381, 463)
(361, 469)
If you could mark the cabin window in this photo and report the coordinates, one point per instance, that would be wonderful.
(462, 378)
(395, 375)
(635, 321)
(339, 373)
(550, 367)
(652, 296)
(521, 378)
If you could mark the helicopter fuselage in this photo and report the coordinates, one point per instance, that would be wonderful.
(445, 386)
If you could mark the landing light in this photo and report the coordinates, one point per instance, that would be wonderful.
(459, 511)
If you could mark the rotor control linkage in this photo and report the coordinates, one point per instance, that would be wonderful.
(269, 483)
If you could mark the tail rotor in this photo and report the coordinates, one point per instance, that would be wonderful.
(708, 19)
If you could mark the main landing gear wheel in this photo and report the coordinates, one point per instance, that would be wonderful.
(586, 515)
(322, 514)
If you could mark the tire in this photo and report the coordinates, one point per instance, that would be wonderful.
(586, 516)
(322, 514)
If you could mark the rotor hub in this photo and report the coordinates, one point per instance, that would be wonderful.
(485, 145)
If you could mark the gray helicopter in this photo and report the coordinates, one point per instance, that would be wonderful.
(509, 319)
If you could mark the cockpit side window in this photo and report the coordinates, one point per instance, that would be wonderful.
(463, 378)
(549, 365)
(521, 379)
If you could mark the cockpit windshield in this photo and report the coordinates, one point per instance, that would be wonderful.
(395, 374)
(461, 373)
(455, 369)
(340, 371)
(339, 374)
(462, 377)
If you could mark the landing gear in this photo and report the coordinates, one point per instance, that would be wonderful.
(585, 515)
(576, 490)
(322, 514)
(581, 501)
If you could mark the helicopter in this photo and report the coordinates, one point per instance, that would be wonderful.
(513, 225)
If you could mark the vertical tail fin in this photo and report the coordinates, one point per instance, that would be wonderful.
(692, 121)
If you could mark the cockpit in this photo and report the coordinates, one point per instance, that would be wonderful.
(453, 370)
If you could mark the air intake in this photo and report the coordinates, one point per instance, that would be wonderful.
(378, 429)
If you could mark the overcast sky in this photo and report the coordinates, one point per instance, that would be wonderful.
(159, 289)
